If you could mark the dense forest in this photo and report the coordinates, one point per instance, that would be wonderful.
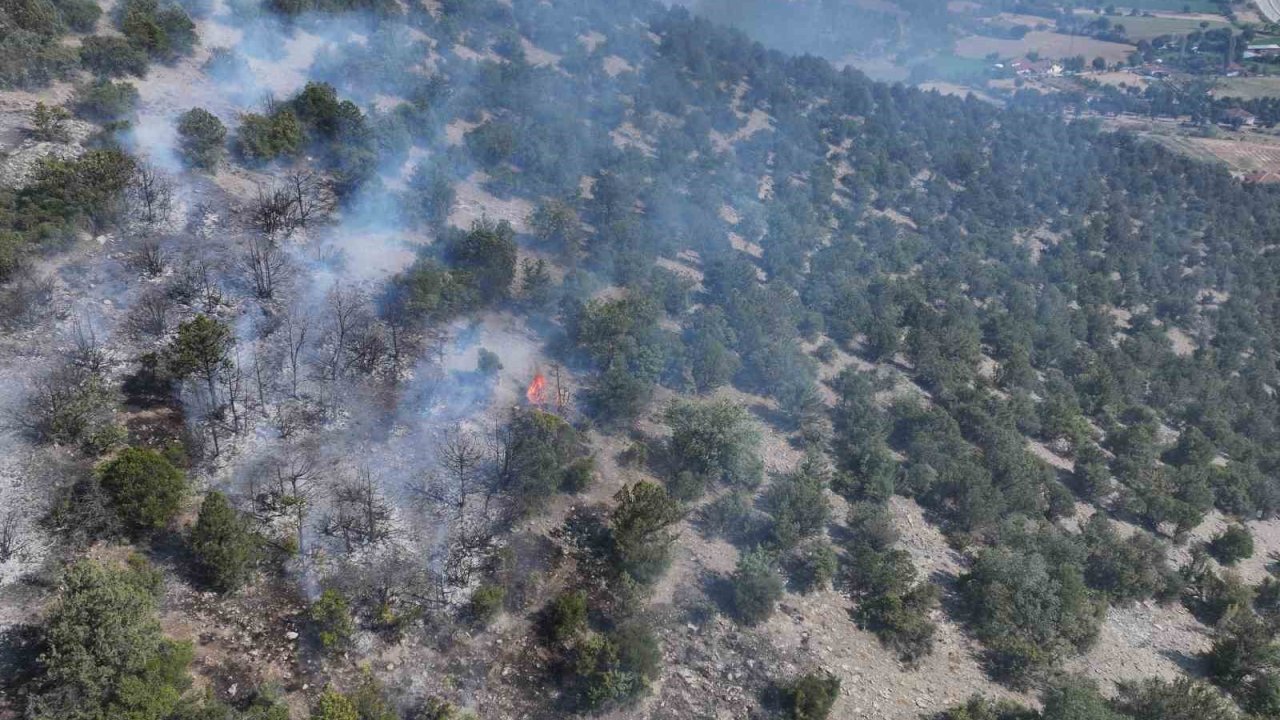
(921, 290)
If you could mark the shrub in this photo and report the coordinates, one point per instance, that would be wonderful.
(756, 588)
(146, 490)
(1127, 569)
(1028, 610)
(565, 616)
(333, 705)
(163, 31)
(578, 475)
(486, 603)
(813, 566)
(49, 123)
(488, 363)
(1181, 699)
(438, 709)
(811, 696)
(1232, 545)
(798, 503)
(612, 669)
(30, 60)
(224, 547)
(104, 655)
(1242, 650)
(687, 486)
(641, 524)
(717, 440)
(487, 253)
(201, 137)
(729, 516)
(105, 101)
(110, 56)
(263, 138)
(331, 615)
(540, 446)
(79, 15)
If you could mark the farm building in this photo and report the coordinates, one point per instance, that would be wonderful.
(1037, 67)
(1237, 117)
(1261, 177)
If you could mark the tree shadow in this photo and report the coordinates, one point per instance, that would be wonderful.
(20, 648)
(1190, 664)
(719, 590)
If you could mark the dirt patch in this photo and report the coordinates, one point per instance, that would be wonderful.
(537, 56)
(615, 65)
(474, 203)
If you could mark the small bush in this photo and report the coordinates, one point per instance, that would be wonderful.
(439, 709)
(488, 363)
(578, 475)
(331, 614)
(1232, 545)
(263, 138)
(812, 566)
(811, 696)
(103, 100)
(112, 57)
(201, 138)
(565, 616)
(729, 516)
(333, 705)
(756, 588)
(687, 486)
(146, 490)
(486, 603)
(49, 123)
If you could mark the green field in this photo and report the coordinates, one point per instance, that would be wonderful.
(950, 68)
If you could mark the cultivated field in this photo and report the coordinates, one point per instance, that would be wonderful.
(1241, 155)
(1145, 28)
(1269, 8)
(1197, 6)
(1248, 88)
(1048, 44)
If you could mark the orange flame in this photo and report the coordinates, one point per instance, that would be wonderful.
(536, 393)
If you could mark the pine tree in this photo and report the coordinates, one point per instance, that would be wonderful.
(222, 544)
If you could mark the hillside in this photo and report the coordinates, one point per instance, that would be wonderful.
(539, 358)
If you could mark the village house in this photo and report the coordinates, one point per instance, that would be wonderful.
(1237, 117)
(1261, 177)
(1026, 67)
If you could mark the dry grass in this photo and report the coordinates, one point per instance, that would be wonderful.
(1145, 28)
(1120, 78)
(1248, 88)
(1048, 44)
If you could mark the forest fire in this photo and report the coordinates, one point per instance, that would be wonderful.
(537, 390)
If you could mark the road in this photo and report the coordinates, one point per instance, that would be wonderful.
(1269, 8)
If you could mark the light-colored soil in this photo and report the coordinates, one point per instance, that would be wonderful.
(1242, 151)
(1120, 78)
(615, 65)
(1048, 44)
(474, 203)
(1248, 88)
